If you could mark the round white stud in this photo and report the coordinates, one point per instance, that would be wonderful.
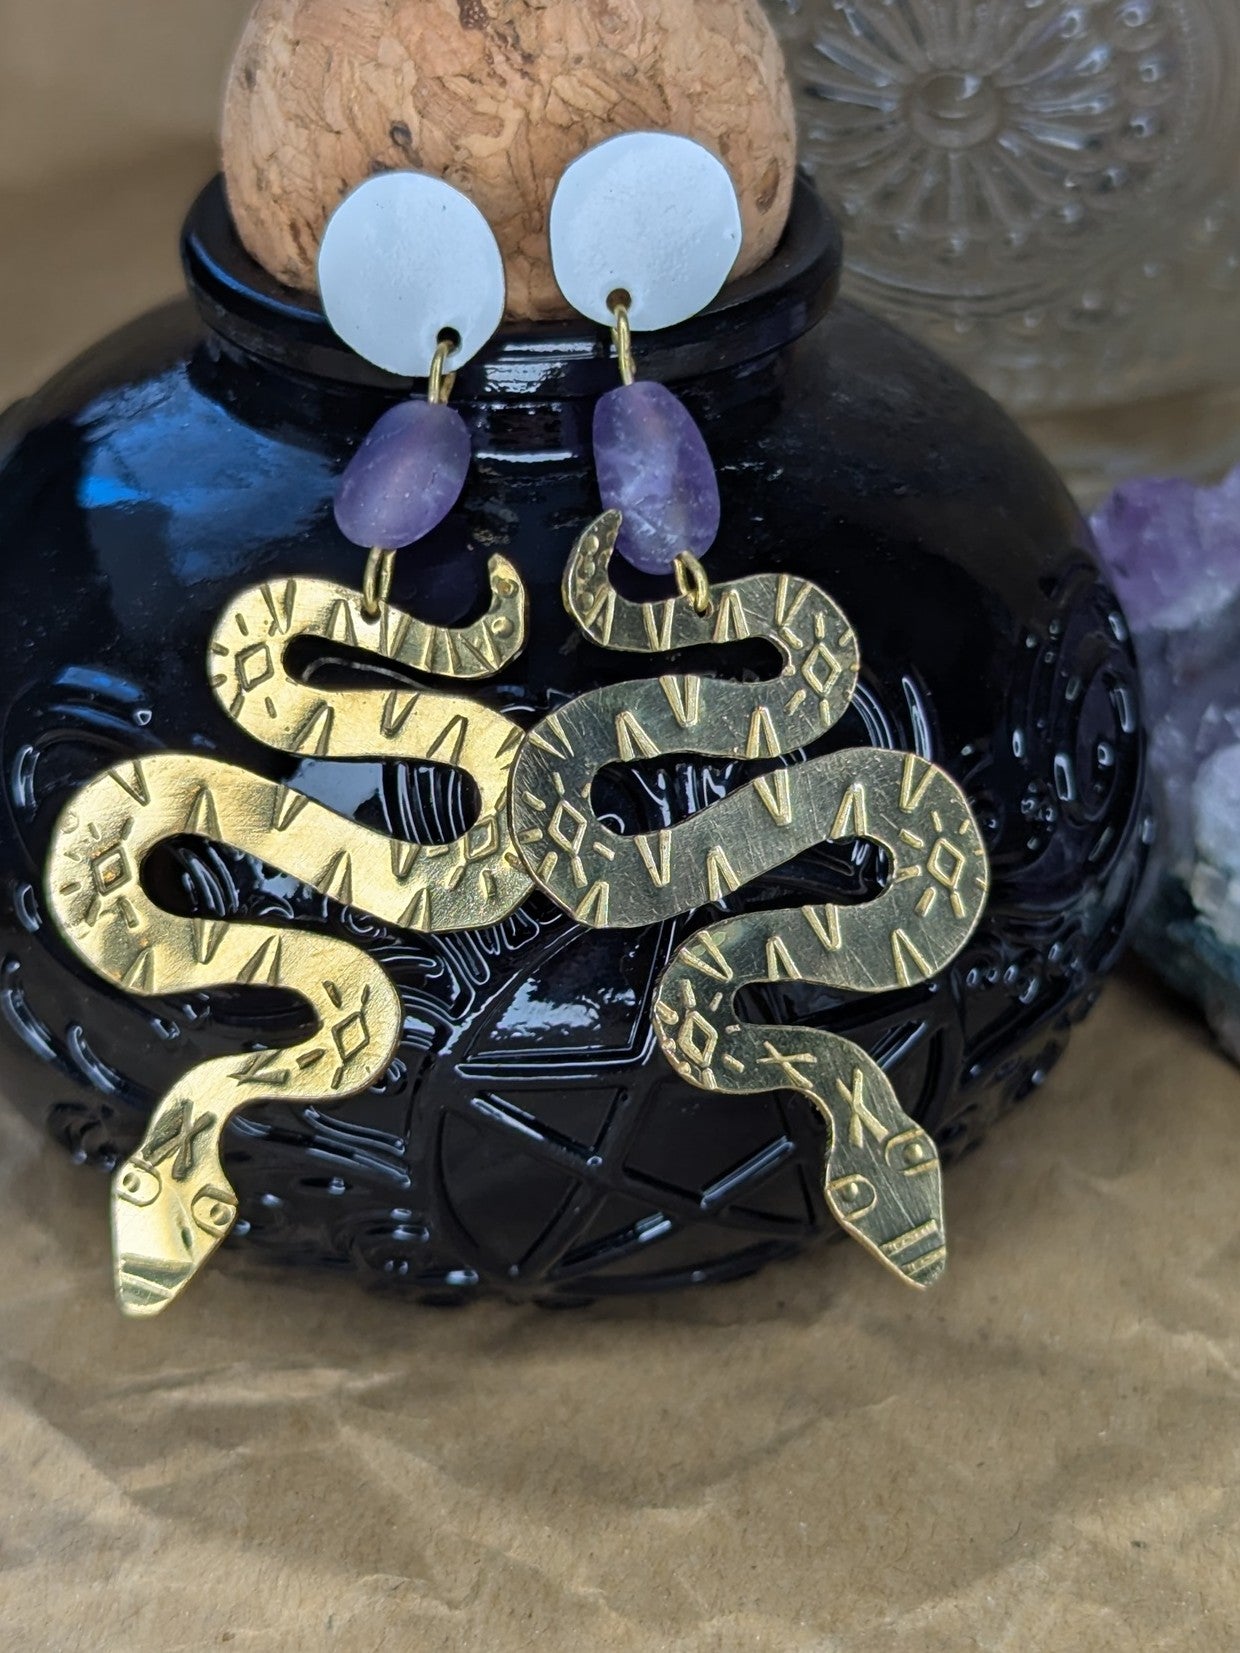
(650, 214)
(404, 257)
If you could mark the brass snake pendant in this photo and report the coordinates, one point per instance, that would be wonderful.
(882, 1176)
(172, 1203)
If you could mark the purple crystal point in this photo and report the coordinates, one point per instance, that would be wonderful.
(1173, 549)
(654, 467)
(406, 476)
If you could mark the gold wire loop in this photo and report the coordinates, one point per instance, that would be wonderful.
(377, 582)
(692, 583)
(439, 384)
(622, 338)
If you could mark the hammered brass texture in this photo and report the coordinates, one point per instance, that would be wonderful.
(882, 1178)
(607, 879)
(171, 1202)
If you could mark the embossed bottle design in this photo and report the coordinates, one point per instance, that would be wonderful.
(1047, 192)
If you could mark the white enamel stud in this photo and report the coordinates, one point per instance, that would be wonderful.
(404, 258)
(649, 214)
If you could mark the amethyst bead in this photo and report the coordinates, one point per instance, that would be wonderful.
(406, 476)
(654, 467)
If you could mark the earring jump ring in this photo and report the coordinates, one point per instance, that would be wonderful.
(438, 383)
(692, 583)
(622, 338)
(377, 581)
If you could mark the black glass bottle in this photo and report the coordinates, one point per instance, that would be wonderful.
(528, 1137)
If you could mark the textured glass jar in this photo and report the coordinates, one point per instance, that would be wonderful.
(1048, 191)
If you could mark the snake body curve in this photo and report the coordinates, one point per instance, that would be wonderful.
(882, 1175)
(172, 1203)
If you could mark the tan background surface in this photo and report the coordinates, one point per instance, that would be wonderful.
(1044, 1454)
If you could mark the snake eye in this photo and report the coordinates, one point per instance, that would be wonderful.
(214, 1211)
(137, 1186)
(852, 1196)
(911, 1152)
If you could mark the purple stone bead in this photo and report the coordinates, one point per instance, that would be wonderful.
(653, 465)
(406, 476)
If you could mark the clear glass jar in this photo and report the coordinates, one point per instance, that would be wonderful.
(1048, 191)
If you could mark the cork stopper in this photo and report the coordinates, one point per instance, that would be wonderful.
(497, 97)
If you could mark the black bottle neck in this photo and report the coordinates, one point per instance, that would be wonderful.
(284, 330)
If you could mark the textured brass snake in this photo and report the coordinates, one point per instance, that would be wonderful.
(172, 1203)
(882, 1177)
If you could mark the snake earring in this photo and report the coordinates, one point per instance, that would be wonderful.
(644, 230)
(412, 279)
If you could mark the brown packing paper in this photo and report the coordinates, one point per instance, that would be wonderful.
(1042, 1454)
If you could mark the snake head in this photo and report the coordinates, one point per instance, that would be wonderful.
(170, 1210)
(884, 1181)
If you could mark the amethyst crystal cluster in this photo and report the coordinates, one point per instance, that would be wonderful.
(1174, 553)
